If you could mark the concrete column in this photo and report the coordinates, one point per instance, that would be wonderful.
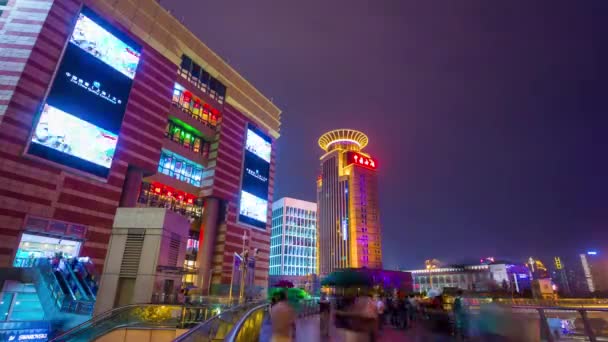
(130, 188)
(204, 257)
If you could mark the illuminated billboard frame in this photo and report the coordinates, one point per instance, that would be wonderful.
(253, 196)
(80, 118)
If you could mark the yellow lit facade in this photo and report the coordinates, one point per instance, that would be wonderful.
(348, 225)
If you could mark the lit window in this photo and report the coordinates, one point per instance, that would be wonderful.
(180, 168)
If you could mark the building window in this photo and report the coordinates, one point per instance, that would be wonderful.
(200, 78)
(161, 196)
(195, 107)
(180, 168)
(187, 139)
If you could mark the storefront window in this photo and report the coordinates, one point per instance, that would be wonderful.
(180, 168)
(162, 196)
(184, 138)
(187, 102)
(200, 78)
(34, 246)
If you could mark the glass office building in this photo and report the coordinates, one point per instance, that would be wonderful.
(293, 240)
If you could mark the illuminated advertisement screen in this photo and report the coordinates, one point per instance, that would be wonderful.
(258, 144)
(94, 39)
(81, 118)
(253, 208)
(68, 134)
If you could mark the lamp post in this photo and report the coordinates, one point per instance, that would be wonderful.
(429, 267)
(243, 275)
(232, 276)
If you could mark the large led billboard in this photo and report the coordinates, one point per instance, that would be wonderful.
(68, 134)
(253, 207)
(81, 117)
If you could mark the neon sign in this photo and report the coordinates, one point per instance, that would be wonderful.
(361, 160)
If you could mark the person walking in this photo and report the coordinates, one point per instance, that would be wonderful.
(283, 319)
(460, 317)
(380, 309)
(325, 315)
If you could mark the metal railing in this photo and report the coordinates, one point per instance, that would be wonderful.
(587, 323)
(518, 323)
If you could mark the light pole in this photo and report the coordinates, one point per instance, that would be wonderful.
(429, 267)
(243, 275)
(232, 275)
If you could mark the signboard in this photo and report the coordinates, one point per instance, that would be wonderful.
(360, 160)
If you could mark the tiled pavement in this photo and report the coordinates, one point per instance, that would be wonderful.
(307, 330)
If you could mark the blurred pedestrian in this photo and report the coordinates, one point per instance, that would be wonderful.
(283, 319)
(460, 317)
(413, 308)
(380, 309)
(325, 315)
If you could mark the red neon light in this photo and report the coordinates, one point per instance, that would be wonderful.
(157, 190)
(359, 159)
(189, 200)
(169, 193)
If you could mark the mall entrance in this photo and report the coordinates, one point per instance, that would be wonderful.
(34, 246)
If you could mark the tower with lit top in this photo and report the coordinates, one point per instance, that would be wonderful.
(348, 225)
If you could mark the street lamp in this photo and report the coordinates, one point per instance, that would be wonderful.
(429, 267)
(242, 255)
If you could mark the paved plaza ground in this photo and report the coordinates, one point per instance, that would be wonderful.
(307, 330)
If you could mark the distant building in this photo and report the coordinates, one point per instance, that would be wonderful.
(595, 270)
(479, 277)
(347, 195)
(293, 238)
(560, 277)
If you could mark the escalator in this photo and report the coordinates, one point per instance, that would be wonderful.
(64, 286)
(156, 317)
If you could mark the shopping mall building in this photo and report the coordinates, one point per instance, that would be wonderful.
(112, 104)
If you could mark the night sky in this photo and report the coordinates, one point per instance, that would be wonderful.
(489, 119)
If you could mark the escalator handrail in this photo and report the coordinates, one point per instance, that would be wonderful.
(65, 281)
(183, 337)
(83, 292)
(234, 332)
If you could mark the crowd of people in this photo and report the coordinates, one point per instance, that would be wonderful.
(364, 317)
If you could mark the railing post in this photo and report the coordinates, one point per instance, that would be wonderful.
(588, 330)
(544, 326)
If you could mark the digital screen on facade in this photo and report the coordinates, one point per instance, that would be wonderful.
(70, 135)
(253, 208)
(94, 39)
(258, 144)
(82, 115)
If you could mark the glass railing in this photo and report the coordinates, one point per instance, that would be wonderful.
(145, 316)
(495, 321)
(218, 327)
(249, 326)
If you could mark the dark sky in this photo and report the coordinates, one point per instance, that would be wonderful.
(489, 119)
